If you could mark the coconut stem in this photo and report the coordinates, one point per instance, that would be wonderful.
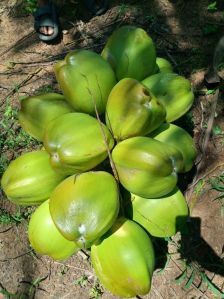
(112, 164)
(102, 130)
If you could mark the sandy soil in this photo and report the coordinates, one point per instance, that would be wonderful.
(179, 31)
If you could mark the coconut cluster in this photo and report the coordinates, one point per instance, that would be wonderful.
(106, 177)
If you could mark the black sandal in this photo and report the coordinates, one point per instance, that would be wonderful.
(47, 16)
(95, 8)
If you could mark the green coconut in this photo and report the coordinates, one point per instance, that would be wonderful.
(145, 166)
(45, 238)
(30, 179)
(37, 111)
(132, 110)
(164, 66)
(84, 206)
(161, 217)
(179, 139)
(131, 53)
(76, 143)
(86, 80)
(124, 259)
(173, 91)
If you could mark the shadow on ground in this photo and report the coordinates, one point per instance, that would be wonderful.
(193, 248)
(189, 47)
(198, 33)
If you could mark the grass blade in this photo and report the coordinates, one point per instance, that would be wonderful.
(181, 277)
(213, 288)
(190, 280)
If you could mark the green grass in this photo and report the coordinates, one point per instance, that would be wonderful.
(3, 163)
(13, 138)
(217, 184)
(95, 289)
(13, 141)
(15, 218)
(9, 295)
(63, 270)
(95, 292)
(82, 281)
(198, 190)
(193, 274)
(123, 8)
(216, 130)
(30, 6)
(212, 7)
(34, 286)
(188, 278)
(210, 91)
(29, 293)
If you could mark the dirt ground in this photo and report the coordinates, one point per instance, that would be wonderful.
(186, 33)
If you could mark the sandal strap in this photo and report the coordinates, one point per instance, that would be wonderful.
(95, 8)
(45, 22)
(49, 9)
(47, 16)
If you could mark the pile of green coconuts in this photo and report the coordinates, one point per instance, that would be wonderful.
(106, 177)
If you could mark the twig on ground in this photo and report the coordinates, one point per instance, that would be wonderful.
(6, 230)
(202, 115)
(29, 77)
(209, 126)
(18, 42)
(16, 257)
(52, 59)
(205, 175)
(202, 156)
(15, 72)
(83, 254)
